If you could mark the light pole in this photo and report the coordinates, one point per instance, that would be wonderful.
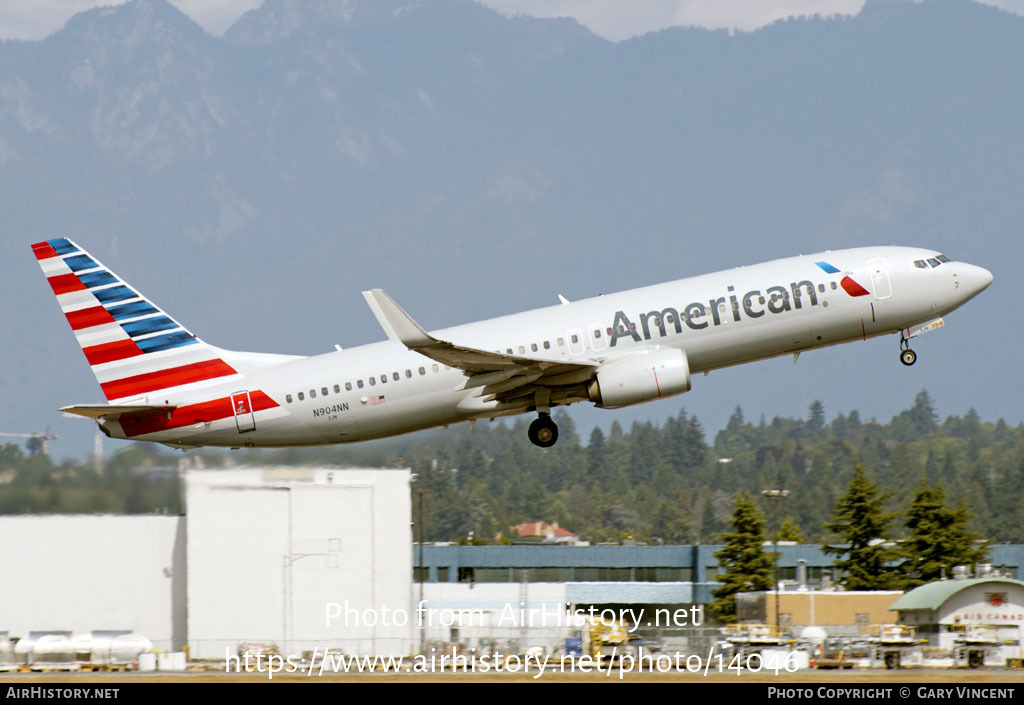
(776, 495)
(423, 629)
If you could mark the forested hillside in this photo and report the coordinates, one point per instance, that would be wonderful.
(651, 483)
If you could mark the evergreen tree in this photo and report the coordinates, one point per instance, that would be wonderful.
(669, 523)
(747, 567)
(816, 416)
(790, 531)
(939, 537)
(923, 415)
(865, 561)
(708, 522)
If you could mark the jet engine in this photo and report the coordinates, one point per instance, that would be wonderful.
(641, 378)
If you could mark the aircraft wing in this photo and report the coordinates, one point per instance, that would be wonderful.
(495, 371)
(101, 410)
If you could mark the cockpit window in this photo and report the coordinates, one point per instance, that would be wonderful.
(920, 264)
(934, 262)
(943, 258)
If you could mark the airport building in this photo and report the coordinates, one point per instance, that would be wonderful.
(945, 611)
(303, 559)
(258, 560)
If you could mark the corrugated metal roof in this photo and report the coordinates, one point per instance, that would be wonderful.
(933, 595)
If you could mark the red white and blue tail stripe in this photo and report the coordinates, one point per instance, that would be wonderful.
(132, 346)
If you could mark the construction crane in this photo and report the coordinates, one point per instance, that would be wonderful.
(44, 437)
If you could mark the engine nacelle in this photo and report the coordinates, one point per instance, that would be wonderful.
(641, 378)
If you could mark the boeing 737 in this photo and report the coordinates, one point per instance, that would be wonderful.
(164, 384)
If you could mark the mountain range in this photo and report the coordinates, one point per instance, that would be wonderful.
(473, 165)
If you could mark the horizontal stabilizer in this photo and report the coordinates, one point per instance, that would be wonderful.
(102, 410)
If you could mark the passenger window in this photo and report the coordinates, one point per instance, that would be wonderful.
(522, 350)
(561, 342)
(833, 289)
(533, 347)
(337, 389)
(408, 374)
(359, 383)
(373, 381)
(760, 299)
(288, 398)
(821, 288)
(348, 386)
(394, 376)
(435, 368)
(422, 371)
(575, 338)
(597, 332)
(509, 351)
(323, 391)
(383, 379)
(547, 345)
(312, 394)
(301, 397)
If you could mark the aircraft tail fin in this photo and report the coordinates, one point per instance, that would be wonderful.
(135, 349)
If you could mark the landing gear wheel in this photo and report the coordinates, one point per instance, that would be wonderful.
(908, 357)
(543, 432)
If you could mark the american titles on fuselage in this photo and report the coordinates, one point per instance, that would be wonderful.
(754, 304)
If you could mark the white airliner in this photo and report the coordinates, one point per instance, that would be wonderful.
(164, 384)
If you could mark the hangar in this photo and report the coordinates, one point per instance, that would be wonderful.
(943, 611)
(255, 561)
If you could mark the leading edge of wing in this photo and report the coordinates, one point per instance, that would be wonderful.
(398, 325)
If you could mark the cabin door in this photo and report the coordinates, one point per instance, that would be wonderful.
(880, 278)
(241, 405)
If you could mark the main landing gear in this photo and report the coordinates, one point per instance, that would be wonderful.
(907, 356)
(543, 431)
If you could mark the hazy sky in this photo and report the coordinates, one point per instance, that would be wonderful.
(614, 19)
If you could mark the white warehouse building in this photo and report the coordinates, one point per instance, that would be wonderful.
(263, 556)
(271, 552)
(83, 573)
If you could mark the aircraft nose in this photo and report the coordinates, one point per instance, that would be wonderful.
(973, 279)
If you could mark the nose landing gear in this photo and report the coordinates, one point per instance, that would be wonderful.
(543, 431)
(907, 356)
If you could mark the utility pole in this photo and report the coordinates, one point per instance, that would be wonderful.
(421, 576)
(775, 496)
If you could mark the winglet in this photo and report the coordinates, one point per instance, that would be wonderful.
(396, 323)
